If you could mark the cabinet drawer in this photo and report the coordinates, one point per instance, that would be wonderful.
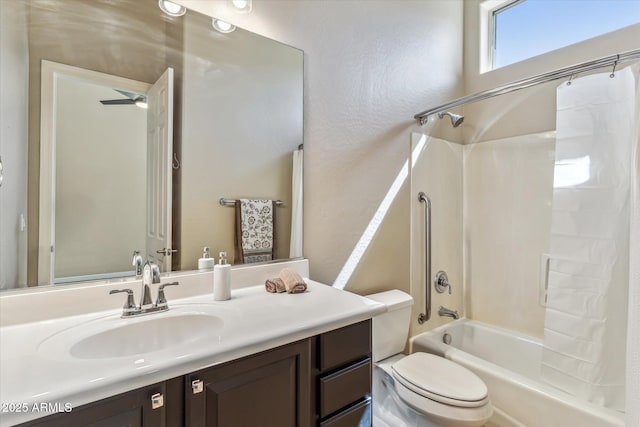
(344, 387)
(345, 345)
(356, 415)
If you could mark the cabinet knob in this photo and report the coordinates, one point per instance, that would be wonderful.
(157, 401)
(197, 386)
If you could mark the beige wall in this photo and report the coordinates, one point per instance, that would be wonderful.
(369, 67)
(14, 71)
(231, 155)
(100, 189)
(437, 172)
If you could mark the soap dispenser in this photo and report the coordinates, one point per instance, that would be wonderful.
(206, 261)
(222, 279)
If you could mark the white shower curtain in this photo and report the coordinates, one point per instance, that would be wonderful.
(295, 248)
(585, 331)
(633, 333)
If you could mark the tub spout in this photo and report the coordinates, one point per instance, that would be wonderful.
(442, 311)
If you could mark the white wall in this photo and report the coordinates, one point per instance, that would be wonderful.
(369, 67)
(14, 73)
(100, 208)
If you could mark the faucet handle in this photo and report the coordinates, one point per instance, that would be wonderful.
(130, 304)
(136, 261)
(441, 282)
(162, 301)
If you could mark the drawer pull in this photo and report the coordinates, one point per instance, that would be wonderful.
(197, 386)
(157, 401)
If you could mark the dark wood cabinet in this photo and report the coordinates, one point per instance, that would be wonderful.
(320, 381)
(270, 389)
(357, 415)
(343, 377)
(144, 407)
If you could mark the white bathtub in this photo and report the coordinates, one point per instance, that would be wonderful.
(509, 363)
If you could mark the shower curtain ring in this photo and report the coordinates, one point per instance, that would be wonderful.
(570, 78)
(615, 64)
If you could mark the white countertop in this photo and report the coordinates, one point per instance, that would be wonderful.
(255, 321)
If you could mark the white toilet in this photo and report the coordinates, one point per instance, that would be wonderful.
(419, 390)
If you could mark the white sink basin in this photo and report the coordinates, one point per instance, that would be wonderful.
(148, 336)
(113, 337)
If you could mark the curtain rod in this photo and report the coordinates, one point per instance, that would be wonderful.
(560, 73)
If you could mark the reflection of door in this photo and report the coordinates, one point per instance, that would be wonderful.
(79, 226)
(159, 170)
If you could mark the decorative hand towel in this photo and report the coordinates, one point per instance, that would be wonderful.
(275, 285)
(255, 231)
(293, 282)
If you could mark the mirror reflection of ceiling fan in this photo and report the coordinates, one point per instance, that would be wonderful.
(131, 99)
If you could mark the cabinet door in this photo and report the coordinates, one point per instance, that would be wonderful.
(270, 389)
(131, 409)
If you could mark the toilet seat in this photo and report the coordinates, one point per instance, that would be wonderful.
(421, 381)
(440, 380)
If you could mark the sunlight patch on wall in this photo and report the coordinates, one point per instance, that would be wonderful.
(373, 226)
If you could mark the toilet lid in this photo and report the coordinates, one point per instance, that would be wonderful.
(441, 380)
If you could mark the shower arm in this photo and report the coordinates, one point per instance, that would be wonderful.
(423, 317)
(557, 74)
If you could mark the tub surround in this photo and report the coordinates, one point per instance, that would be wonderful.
(255, 320)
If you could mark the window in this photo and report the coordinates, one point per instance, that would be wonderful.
(521, 29)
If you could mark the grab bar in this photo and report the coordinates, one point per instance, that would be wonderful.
(423, 317)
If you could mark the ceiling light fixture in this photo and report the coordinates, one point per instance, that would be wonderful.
(242, 6)
(171, 8)
(222, 26)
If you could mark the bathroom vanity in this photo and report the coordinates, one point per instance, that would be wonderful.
(324, 380)
(258, 359)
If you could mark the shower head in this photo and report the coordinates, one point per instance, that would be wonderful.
(456, 119)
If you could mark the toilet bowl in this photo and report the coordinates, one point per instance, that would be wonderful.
(420, 389)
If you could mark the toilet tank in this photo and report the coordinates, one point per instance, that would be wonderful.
(390, 329)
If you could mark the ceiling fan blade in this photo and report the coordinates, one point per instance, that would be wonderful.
(118, 102)
(128, 94)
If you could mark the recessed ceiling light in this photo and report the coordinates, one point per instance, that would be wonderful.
(171, 8)
(222, 26)
(243, 6)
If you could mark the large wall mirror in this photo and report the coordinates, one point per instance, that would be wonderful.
(125, 129)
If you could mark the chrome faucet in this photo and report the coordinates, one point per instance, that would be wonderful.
(442, 311)
(150, 275)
